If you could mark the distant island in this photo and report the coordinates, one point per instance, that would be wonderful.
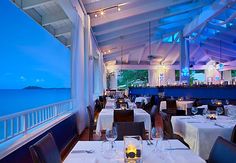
(37, 87)
(33, 87)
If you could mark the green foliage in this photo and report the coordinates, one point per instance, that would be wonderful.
(192, 73)
(233, 73)
(127, 78)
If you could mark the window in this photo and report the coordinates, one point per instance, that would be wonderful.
(35, 67)
(128, 78)
(195, 75)
(233, 73)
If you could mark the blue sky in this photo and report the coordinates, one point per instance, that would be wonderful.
(29, 55)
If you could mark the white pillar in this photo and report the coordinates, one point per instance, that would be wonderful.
(184, 60)
(77, 88)
(87, 55)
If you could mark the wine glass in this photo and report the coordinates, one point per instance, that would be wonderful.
(219, 110)
(157, 135)
(227, 102)
(111, 136)
(194, 110)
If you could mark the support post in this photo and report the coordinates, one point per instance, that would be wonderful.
(184, 60)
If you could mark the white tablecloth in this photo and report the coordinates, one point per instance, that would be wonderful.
(149, 156)
(141, 99)
(112, 103)
(229, 109)
(201, 133)
(105, 119)
(181, 105)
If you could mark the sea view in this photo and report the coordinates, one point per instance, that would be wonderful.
(17, 100)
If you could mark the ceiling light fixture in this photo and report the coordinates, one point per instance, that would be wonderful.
(102, 12)
(118, 8)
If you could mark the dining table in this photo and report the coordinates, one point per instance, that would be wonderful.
(230, 110)
(201, 133)
(171, 151)
(105, 119)
(181, 105)
(111, 103)
(143, 99)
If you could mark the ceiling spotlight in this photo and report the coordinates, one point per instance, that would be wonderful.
(105, 52)
(96, 15)
(109, 51)
(102, 12)
(118, 8)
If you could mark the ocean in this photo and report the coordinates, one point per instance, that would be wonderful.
(17, 100)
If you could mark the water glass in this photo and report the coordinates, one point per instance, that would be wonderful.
(111, 136)
(194, 110)
(227, 102)
(219, 110)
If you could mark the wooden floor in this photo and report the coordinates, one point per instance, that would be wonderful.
(84, 135)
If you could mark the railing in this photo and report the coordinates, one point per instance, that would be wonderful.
(19, 123)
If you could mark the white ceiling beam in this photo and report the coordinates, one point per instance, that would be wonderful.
(224, 54)
(202, 57)
(192, 55)
(101, 4)
(224, 47)
(152, 16)
(107, 31)
(28, 4)
(140, 55)
(54, 18)
(63, 31)
(139, 36)
(113, 56)
(209, 12)
(171, 47)
(142, 9)
(138, 43)
(138, 28)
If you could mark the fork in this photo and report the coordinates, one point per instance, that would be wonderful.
(148, 143)
(83, 151)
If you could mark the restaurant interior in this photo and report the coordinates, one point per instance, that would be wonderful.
(151, 81)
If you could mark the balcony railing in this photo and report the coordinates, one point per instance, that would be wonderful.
(19, 123)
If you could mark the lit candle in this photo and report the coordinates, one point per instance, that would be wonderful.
(132, 152)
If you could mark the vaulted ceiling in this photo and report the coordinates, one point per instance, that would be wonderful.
(121, 28)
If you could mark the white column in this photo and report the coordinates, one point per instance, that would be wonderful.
(184, 59)
(87, 55)
(77, 88)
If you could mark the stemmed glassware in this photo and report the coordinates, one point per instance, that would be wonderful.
(157, 135)
(219, 110)
(227, 102)
(111, 136)
(194, 110)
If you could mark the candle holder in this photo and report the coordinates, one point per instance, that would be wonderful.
(212, 115)
(133, 149)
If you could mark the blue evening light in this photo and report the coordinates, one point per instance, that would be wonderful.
(30, 56)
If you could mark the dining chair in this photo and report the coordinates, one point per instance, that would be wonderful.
(212, 107)
(233, 135)
(171, 107)
(91, 125)
(153, 113)
(168, 129)
(123, 115)
(222, 151)
(129, 129)
(45, 150)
